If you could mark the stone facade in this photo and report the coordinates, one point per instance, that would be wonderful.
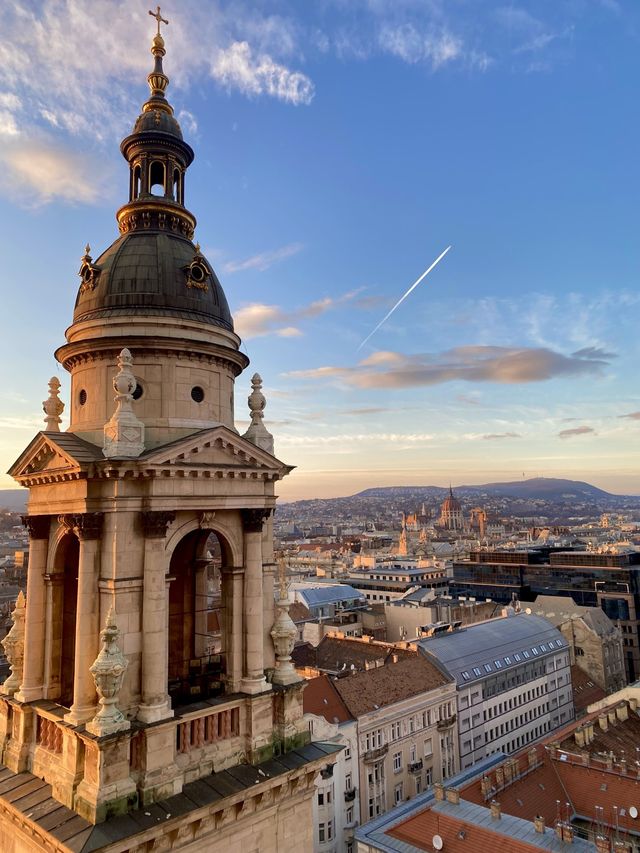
(156, 510)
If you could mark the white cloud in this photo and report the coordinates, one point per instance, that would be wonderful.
(264, 260)
(38, 170)
(258, 319)
(237, 67)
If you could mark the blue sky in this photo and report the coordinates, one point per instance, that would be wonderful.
(341, 145)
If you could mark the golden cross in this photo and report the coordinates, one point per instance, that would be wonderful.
(158, 18)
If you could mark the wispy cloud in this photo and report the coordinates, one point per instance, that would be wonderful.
(37, 170)
(264, 260)
(237, 67)
(258, 319)
(496, 436)
(634, 416)
(574, 431)
(505, 365)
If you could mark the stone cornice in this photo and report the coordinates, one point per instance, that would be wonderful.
(90, 350)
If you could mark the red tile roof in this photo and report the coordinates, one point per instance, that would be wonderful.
(585, 691)
(321, 698)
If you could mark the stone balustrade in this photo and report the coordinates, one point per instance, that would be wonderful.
(49, 735)
(207, 728)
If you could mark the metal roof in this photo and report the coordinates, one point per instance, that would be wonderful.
(317, 596)
(509, 640)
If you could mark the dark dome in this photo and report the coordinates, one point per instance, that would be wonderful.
(148, 273)
(157, 121)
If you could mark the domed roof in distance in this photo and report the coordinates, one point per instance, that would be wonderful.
(151, 273)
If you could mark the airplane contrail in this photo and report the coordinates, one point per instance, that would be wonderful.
(402, 298)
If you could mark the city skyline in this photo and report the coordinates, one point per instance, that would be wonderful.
(324, 195)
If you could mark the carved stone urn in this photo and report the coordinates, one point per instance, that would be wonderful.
(284, 634)
(13, 645)
(108, 671)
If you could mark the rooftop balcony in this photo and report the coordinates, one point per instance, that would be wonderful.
(376, 754)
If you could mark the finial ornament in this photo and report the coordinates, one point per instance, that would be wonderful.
(159, 18)
(283, 634)
(13, 645)
(123, 433)
(53, 406)
(108, 672)
(257, 432)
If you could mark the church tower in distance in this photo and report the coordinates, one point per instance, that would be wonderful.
(150, 704)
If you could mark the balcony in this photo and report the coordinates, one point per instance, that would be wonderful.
(415, 766)
(206, 728)
(350, 795)
(375, 754)
(446, 723)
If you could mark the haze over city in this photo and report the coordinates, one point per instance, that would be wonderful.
(342, 147)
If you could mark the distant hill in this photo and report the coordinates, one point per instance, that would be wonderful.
(537, 488)
(14, 500)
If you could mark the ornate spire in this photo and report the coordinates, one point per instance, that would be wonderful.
(158, 80)
(53, 406)
(123, 433)
(257, 433)
(283, 634)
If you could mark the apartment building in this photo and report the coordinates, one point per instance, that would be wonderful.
(513, 677)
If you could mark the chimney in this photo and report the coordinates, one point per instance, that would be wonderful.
(533, 757)
(588, 731)
(453, 796)
(633, 704)
(499, 776)
(538, 822)
(485, 786)
(603, 722)
(579, 736)
(603, 845)
(623, 766)
(559, 829)
(553, 749)
(567, 833)
(495, 810)
(611, 714)
(622, 712)
(508, 772)
(394, 658)
(438, 791)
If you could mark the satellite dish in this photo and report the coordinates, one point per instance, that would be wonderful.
(437, 842)
(528, 611)
(633, 812)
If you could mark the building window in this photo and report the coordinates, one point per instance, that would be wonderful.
(329, 830)
(349, 815)
(426, 719)
(412, 724)
(418, 784)
(397, 762)
(320, 798)
(347, 753)
(347, 782)
(428, 747)
(322, 832)
(397, 794)
(395, 731)
(413, 754)
(428, 776)
(476, 672)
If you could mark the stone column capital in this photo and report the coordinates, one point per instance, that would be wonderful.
(86, 525)
(37, 525)
(253, 519)
(155, 522)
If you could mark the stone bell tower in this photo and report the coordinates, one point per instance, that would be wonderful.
(145, 684)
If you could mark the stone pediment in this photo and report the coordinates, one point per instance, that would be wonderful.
(218, 447)
(54, 456)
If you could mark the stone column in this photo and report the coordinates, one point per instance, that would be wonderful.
(253, 680)
(232, 605)
(88, 529)
(34, 646)
(268, 606)
(51, 677)
(156, 704)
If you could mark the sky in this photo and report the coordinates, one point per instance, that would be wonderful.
(341, 146)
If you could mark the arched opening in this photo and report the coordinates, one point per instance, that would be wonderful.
(64, 600)
(156, 178)
(176, 186)
(197, 665)
(136, 182)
